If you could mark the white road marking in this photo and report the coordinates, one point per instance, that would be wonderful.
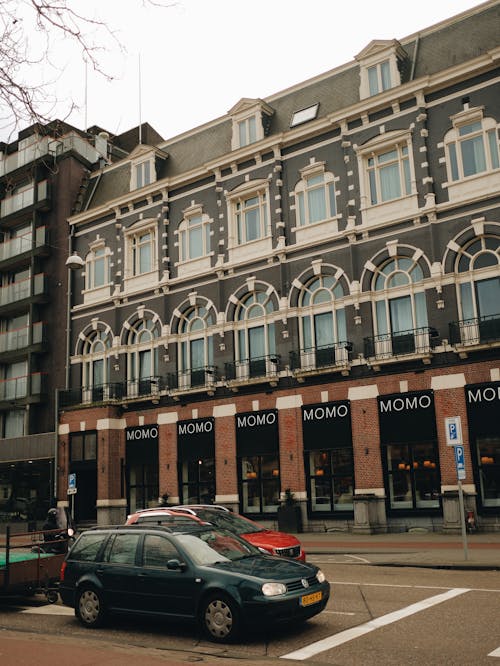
(49, 609)
(376, 623)
(338, 612)
(495, 653)
(413, 587)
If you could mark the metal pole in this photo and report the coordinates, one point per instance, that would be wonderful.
(56, 440)
(462, 521)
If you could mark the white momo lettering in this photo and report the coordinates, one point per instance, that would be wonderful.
(142, 433)
(488, 394)
(252, 420)
(321, 413)
(195, 428)
(405, 404)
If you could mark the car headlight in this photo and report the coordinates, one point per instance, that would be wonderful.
(273, 589)
(320, 576)
(263, 550)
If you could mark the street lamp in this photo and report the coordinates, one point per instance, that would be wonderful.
(74, 262)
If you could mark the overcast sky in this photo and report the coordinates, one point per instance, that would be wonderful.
(197, 58)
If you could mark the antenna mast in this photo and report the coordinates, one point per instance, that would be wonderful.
(140, 101)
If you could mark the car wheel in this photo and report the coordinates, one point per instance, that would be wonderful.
(90, 607)
(220, 618)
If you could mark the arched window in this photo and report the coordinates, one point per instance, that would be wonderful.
(400, 311)
(196, 354)
(255, 347)
(95, 367)
(322, 332)
(478, 285)
(142, 358)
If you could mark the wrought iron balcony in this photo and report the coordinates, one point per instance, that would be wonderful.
(475, 331)
(203, 378)
(416, 341)
(335, 355)
(249, 369)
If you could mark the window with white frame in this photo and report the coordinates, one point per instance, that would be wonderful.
(322, 327)
(472, 145)
(380, 67)
(247, 131)
(255, 344)
(250, 118)
(95, 348)
(399, 308)
(97, 267)
(141, 255)
(315, 196)
(478, 284)
(194, 235)
(249, 209)
(389, 174)
(142, 173)
(195, 348)
(379, 77)
(142, 357)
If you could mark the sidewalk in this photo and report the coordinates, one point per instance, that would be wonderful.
(415, 549)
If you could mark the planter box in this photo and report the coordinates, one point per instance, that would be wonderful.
(290, 518)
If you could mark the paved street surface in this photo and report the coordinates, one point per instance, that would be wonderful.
(382, 599)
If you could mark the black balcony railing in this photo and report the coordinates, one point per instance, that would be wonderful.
(403, 343)
(475, 331)
(325, 356)
(195, 378)
(253, 368)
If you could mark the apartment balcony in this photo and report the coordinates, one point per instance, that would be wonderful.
(27, 388)
(100, 393)
(22, 338)
(18, 246)
(19, 291)
(391, 347)
(253, 371)
(319, 360)
(196, 380)
(36, 194)
(477, 332)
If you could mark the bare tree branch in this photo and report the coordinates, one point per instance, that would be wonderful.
(28, 31)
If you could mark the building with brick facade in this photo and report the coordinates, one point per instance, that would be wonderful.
(301, 295)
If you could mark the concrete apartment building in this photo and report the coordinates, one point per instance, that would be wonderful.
(302, 295)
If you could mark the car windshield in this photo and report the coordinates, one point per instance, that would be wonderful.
(214, 546)
(229, 521)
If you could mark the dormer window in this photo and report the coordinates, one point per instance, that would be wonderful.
(143, 174)
(380, 67)
(251, 119)
(143, 163)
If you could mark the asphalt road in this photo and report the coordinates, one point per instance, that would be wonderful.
(378, 616)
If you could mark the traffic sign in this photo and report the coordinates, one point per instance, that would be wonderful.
(453, 426)
(460, 462)
(71, 484)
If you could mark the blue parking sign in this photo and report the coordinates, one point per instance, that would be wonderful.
(460, 462)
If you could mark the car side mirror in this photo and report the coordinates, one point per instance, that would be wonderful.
(176, 565)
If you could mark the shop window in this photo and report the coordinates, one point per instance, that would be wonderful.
(198, 481)
(260, 483)
(413, 476)
(142, 484)
(488, 456)
(83, 447)
(330, 475)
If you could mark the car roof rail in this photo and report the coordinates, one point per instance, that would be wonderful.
(192, 507)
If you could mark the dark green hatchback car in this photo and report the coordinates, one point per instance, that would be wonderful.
(194, 573)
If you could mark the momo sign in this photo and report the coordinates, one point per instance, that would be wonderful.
(257, 432)
(196, 439)
(327, 425)
(141, 433)
(407, 417)
(483, 403)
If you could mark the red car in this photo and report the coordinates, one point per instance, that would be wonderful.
(269, 541)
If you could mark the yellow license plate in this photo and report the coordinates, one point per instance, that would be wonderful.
(309, 599)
